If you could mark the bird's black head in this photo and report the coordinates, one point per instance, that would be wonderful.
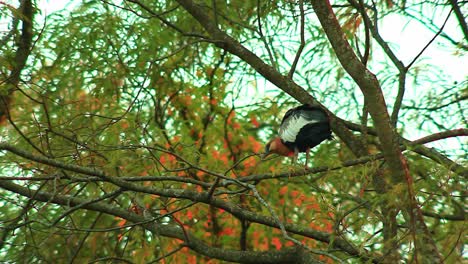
(267, 151)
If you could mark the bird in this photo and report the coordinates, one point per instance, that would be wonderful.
(301, 129)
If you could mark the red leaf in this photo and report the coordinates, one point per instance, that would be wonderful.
(122, 222)
(192, 259)
(189, 215)
(283, 190)
(254, 121)
(289, 244)
(298, 201)
(231, 115)
(257, 146)
(281, 201)
(313, 206)
(226, 231)
(276, 242)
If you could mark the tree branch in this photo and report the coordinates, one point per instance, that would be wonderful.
(442, 135)
(460, 17)
(460, 217)
(21, 56)
(302, 45)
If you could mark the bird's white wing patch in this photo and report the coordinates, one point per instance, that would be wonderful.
(290, 128)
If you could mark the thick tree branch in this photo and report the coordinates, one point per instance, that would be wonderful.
(460, 17)
(310, 171)
(21, 56)
(367, 82)
(459, 217)
(417, 147)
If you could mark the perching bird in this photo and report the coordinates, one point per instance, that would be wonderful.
(301, 129)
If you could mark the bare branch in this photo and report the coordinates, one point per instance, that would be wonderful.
(442, 135)
(302, 45)
(262, 36)
(460, 17)
(430, 42)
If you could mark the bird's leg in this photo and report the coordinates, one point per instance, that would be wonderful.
(294, 160)
(307, 158)
(296, 153)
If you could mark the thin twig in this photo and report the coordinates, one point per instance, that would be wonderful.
(461, 18)
(71, 210)
(302, 45)
(430, 42)
(172, 252)
(262, 36)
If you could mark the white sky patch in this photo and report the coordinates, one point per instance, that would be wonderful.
(408, 37)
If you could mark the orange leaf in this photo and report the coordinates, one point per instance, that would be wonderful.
(226, 231)
(256, 146)
(122, 222)
(298, 201)
(124, 125)
(230, 117)
(264, 245)
(192, 259)
(313, 206)
(189, 215)
(250, 162)
(283, 190)
(254, 121)
(276, 242)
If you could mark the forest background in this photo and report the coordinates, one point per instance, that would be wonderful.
(131, 131)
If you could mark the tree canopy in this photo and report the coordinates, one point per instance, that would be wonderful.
(131, 131)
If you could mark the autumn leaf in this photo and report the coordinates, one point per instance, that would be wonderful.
(283, 190)
(254, 121)
(189, 215)
(276, 242)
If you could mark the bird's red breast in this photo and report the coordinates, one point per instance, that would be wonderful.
(277, 146)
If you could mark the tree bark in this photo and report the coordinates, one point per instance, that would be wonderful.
(21, 56)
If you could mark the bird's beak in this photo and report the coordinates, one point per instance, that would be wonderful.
(264, 155)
